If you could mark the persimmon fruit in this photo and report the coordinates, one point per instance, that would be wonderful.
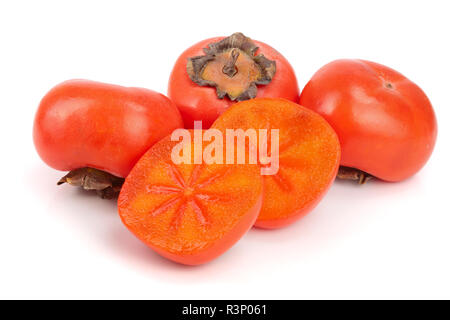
(98, 131)
(309, 156)
(385, 122)
(213, 74)
(189, 213)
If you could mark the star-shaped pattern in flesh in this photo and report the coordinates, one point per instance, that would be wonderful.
(187, 194)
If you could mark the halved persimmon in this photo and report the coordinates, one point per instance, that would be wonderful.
(309, 155)
(189, 213)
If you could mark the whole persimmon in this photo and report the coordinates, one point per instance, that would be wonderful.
(215, 73)
(385, 122)
(98, 131)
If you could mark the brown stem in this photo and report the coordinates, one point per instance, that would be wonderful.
(347, 173)
(217, 68)
(105, 184)
(230, 67)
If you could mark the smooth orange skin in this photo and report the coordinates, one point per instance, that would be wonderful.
(81, 123)
(313, 154)
(201, 103)
(157, 235)
(387, 132)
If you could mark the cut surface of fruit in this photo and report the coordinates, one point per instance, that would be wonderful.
(189, 213)
(309, 156)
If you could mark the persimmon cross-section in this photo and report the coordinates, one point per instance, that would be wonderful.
(187, 193)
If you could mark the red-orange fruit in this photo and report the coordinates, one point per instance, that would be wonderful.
(189, 213)
(309, 155)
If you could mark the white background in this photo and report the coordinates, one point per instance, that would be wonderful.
(380, 240)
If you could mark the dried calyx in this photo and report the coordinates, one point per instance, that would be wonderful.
(232, 67)
(105, 184)
(347, 173)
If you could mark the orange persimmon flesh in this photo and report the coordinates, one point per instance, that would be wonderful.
(309, 155)
(189, 213)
